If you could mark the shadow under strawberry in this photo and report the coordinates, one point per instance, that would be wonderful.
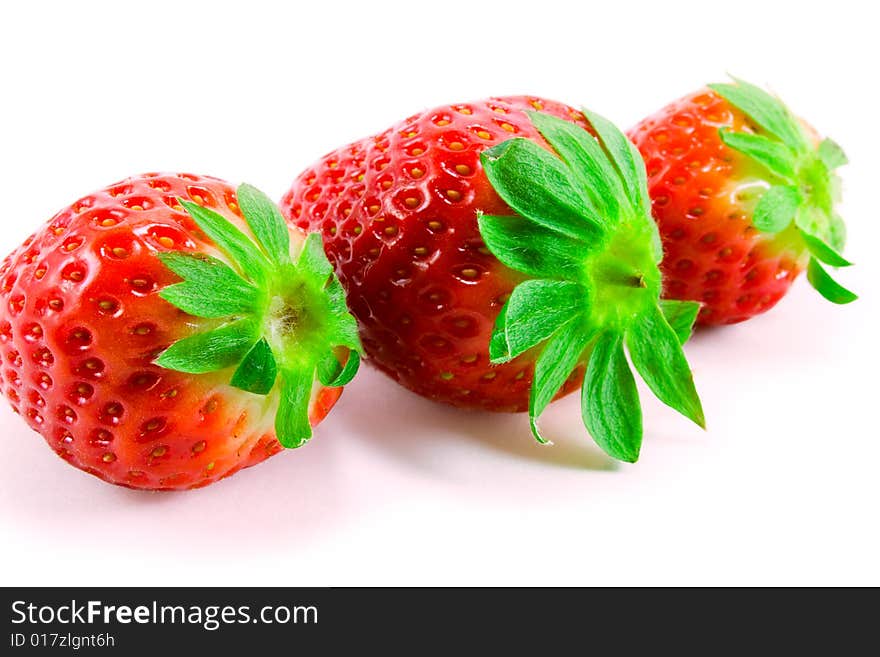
(442, 430)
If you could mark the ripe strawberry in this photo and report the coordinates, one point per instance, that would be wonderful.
(130, 373)
(421, 223)
(744, 194)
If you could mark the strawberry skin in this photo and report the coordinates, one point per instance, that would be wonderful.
(499, 254)
(82, 324)
(398, 213)
(705, 194)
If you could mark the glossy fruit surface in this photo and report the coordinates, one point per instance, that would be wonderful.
(706, 186)
(498, 254)
(398, 214)
(83, 324)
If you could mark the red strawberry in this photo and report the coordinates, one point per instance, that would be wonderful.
(743, 193)
(92, 301)
(421, 222)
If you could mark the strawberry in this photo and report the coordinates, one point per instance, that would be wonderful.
(142, 332)
(743, 193)
(496, 273)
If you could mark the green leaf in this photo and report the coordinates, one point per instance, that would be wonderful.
(586, 160)
(811, 220)
(824, 234)
(827, 286)
(537, 185)
(342, 328)
(777, 157)
(626, 159)
(266, 222)
(191, 298)
(536, 309)
(610, 401)
(292, 426)
(336, 296)
(832, 154)
(527, 247)
(257, 371)
(556, 362)
(312, 259)
(334, 375)
(819, 185)
(204, 269)
(343, 331)
(680, 315)
(824, 252)
(776, 209)
(213, 350)
(498, 349)
(765, 110)
(210, 288)
(642, 177)
(836, 231)
(230, 240)
(657, 355)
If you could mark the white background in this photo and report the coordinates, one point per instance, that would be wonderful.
(782, 488)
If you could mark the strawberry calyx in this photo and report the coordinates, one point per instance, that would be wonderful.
(281, 317)
(583, 233)
(799, 204)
